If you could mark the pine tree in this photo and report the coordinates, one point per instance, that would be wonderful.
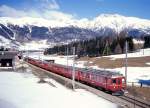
(118, 49)
(147, 41)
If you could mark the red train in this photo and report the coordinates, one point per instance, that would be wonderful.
(106, 80)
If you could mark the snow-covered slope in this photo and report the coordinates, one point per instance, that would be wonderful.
(31, 21)
(36, 46)
(4, 41)
(32, 29)
(119, 22)
(8, 43)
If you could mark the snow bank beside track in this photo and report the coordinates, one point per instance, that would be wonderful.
(22, 90)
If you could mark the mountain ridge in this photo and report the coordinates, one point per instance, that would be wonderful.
(102, 19)
(27, 29)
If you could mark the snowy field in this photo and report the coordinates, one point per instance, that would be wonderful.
(140, 53)
(135, 74)
(36, 45)
(22, 90)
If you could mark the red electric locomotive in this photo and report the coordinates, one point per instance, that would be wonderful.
(107, 80)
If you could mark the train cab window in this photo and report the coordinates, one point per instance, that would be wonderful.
(123, 81)
(114, 81)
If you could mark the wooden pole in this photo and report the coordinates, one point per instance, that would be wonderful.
(73, 72)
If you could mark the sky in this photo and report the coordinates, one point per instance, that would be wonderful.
(73, 9)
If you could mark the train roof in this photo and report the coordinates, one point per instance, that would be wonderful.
(101, 72)
(106, 73)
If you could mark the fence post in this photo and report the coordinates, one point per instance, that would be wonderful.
(132, 84)
(141, 84)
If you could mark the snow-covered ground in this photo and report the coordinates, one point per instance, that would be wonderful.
(135, 74)
(36, 45)
(22, 90)
(140, 53)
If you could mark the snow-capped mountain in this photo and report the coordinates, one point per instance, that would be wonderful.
(31, 29)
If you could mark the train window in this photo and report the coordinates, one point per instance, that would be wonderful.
(113, 81)
(97, 77)
(119, 82)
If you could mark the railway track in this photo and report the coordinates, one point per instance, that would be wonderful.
(122, 101)
(135, 102)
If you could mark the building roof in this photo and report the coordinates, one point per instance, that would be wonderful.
(8, 54)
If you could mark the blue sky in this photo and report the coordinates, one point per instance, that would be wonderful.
(74, 8)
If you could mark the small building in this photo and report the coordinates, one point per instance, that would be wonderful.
(7, 58)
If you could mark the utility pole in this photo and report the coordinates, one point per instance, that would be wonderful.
(143, 50)
(73, 72)
(67, 56)
(126, 58)
(68, 69)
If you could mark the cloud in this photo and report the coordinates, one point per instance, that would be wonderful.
(11, 12)
(6, 11)
(49, 4)
(53, 5)
(57, 15)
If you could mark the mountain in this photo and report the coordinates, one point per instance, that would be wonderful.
(26, 29)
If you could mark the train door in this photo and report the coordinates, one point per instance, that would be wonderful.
(114, 83)
(106, 83)
(118, 84)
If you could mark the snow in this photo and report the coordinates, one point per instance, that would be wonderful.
(21, 90)
(148, 63)
(136, 41)
(4, 41)
(35, 45)
(141, 53)
(31, 21)
(8, 43)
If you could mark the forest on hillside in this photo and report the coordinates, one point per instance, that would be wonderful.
(98, 46)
